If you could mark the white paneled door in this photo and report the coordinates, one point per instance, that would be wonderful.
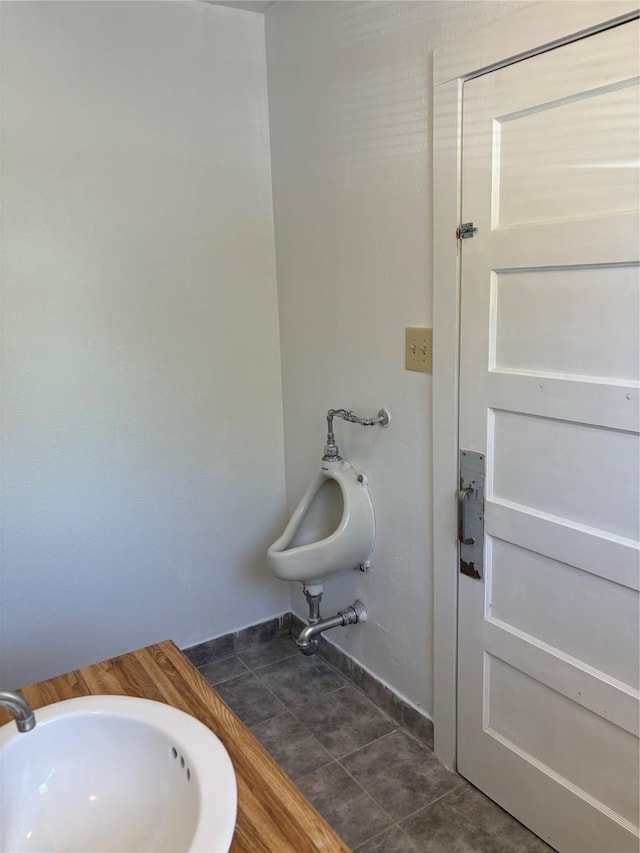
(549, 636)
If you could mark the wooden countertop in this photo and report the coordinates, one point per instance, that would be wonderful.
(273, 815)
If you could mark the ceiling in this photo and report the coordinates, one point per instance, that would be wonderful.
(249, 5)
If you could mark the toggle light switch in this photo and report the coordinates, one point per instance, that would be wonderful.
(419, 349)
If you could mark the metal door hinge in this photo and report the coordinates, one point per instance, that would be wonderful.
(465, 230)
(471, 513)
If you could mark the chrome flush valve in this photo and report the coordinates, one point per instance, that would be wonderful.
(331, 450)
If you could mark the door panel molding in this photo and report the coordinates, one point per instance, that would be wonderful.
(568, 676)
(590, 550)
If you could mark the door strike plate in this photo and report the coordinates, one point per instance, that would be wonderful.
(471, 513)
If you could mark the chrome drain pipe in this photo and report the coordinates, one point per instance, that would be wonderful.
(309, 639)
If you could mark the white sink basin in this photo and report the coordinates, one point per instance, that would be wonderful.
(115, 774)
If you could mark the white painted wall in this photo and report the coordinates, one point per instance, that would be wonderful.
(142, 411)
(350, 110)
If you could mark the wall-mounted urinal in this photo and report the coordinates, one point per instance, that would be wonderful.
(331, 531)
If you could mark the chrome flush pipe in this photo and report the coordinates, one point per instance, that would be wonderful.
(331, 450)
(20, 708)
(309, 638)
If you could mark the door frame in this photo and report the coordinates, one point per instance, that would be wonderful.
(536, 28)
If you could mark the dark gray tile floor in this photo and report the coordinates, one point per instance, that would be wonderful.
(380, 788)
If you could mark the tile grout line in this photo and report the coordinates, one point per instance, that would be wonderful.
(380, 806)
(366, 745)
(371, 797)
(296, 712)
(271, 663)
(296, 779)
(429, 804)
(256, 673)
(262, 684)
(378, 835)
(253, 727)
(285, 707)
(366, 793)
(224, 680)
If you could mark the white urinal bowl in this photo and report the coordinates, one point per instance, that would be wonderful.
(331, 531)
